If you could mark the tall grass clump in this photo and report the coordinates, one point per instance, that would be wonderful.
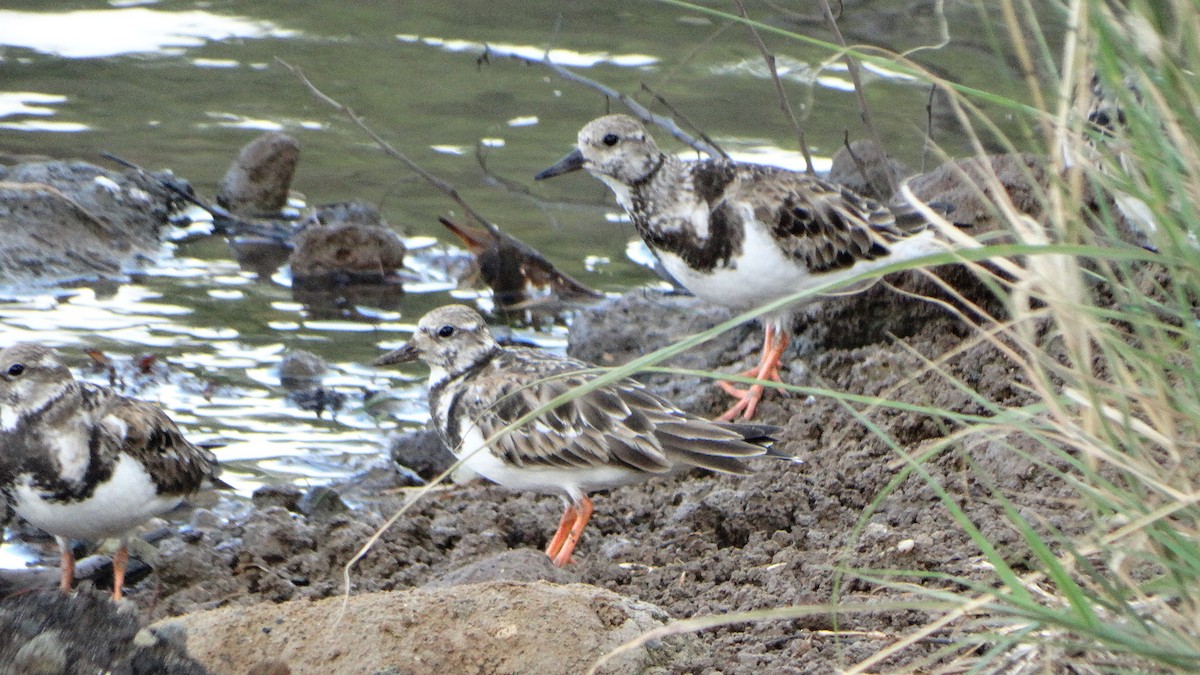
(1102, 324)
(1101, 327)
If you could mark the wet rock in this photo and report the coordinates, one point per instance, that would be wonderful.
(346, 253)
(299, 369)
(495, 627)
(867, 169)
(257, 182)
(422, 452)
(616, 331)
(318, 400)
(321, 503)
(969, 186)
(345, 213)
(524, 564)
(61, 221)
(83, 632)
(284, 495)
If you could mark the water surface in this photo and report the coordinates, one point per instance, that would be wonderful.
(183, 85)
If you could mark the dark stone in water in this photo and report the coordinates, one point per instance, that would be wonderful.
(258, 181)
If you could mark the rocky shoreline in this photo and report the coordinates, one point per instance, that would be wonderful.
(458, 583)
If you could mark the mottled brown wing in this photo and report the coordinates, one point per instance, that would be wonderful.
(620, 424)
(144, 431)
(827, 226)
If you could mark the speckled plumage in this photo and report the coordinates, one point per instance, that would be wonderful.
(614, 435)
(82, 461)
(741, 235)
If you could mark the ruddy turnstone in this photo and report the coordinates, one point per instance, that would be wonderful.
(614, 435)
(742, 235)
(83, 462)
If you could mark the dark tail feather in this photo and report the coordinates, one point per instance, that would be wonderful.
(759, 434)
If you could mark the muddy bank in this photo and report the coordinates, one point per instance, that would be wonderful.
(699, 544)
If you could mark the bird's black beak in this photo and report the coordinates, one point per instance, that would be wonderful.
(572, 162)
(402, 355)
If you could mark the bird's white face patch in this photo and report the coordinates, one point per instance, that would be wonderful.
(8, 417)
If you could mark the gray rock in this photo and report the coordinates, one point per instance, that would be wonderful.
(422, 452)
(258, 181)
(284, 495)
(62, 221)
(322, 502)
(865, 168)
(83, 632)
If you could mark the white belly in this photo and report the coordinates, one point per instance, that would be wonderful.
(572, 483)
(127, 500)
(765, 274)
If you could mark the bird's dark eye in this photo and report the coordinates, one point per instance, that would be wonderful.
(446, 331)
(16, 369)
(610, 139)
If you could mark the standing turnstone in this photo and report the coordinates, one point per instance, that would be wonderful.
(83, 462)
(611, 436)
(742, 235)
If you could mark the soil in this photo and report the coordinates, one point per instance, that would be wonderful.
(696, 545)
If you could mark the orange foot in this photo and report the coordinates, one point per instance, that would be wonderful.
(570, 529)
(774, 344)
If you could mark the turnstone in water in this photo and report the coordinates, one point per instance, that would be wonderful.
(742, 235)
(83, 462)
(614, 435)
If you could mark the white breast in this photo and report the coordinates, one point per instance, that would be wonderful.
(764, 273)
(125, 501)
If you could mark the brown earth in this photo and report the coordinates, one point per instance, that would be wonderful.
(701, 544)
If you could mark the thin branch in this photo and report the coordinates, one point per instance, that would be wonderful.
(667, 104)
(929, 142)
(640, 111)
(852, 67)
(433, 180)
(869, 187)
(783, 100)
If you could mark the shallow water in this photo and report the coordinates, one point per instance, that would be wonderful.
(183, 85)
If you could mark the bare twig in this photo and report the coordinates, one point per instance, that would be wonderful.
(928, 126)
(852, 67)
(783, 100)
(862, 169)
(640, 111)
(675, 113)
(433, 180)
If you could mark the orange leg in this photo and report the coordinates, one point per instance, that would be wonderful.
(585, 513)
(66, 565)
(564, 527)
(119, 561)
(775, 343)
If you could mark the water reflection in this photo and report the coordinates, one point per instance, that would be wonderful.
(129, 30)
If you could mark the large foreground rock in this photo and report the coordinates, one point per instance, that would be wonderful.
(494, 627)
